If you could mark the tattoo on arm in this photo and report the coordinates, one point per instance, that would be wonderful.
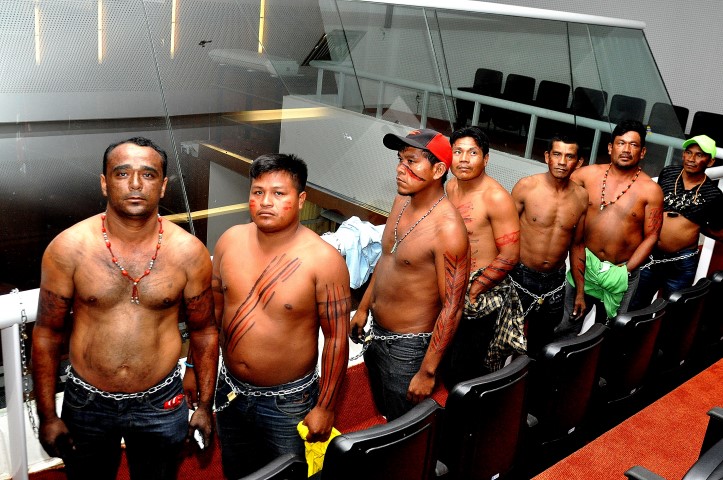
(52, 306)
(495, 272)
(199, 307)
(507, 239)
(655, 220)
(455, 286)
(333, 316)
(277, 271)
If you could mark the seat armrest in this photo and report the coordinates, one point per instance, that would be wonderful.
(642, 473)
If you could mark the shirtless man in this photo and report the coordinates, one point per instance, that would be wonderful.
(693, 204)
(552, 219)
(275, 282)
(415, 294)
(624, 215)
(126, 276)
(492, 327)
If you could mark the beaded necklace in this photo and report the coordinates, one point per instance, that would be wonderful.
(397, 242)
(695, 196)
(603, 203)
(134, 293)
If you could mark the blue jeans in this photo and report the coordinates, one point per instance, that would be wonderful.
(541, 320)
(392, 364)
(254, 430)
(569, 327)
(670, 276)
(154, 430)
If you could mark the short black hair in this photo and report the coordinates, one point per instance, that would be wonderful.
(475, 133)
(629, 125)
(281, 162)
(141, 142)
(569, 139)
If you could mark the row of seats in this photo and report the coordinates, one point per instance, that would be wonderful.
(587, 102)
(496, 422)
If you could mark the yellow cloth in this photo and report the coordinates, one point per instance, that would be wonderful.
(314, 451)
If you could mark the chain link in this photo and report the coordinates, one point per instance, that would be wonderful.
(235, 391)
(538, 300)
(653, 261)
(27, 390)
(397, 336)
(123, 396)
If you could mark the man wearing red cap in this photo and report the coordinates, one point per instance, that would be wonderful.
(492, 327)
(692, 205)
(416, 292)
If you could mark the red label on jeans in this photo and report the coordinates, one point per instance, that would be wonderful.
(174, 402)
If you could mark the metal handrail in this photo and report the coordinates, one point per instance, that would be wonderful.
(535, 113)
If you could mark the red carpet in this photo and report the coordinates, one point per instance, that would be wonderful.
(665, 437)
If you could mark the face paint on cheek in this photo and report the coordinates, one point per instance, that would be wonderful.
(252, 205)
(413, 175)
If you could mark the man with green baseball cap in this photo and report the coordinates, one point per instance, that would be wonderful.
(693, 204)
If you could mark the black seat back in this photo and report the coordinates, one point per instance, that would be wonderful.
(404, 449)
(668, 119)
(285, 467)
(624, 107)
(484, 420)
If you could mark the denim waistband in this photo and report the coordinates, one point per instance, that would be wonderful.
(539, 274)
(247, 387)
(167, 381)
(388, 333)
(657, 254)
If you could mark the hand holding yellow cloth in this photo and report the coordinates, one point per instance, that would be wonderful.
(314, 451)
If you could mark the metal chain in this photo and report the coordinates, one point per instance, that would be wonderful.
(235, 391)
(397, 336)
(538, 300)
(668, 260)
(123, 396)
(27, 390)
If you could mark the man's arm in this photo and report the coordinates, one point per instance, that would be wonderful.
(651, 227)
(452, 263)
(519, 192)
(577, 263)
(54, 304)
(199, 304)
(333, 306)
(356, 330)
(505, 224)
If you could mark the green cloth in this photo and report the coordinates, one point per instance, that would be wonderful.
(604, 281)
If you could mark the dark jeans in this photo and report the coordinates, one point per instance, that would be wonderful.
(670, 276)
(392, 364)
(254, 430)
(569, 327)
(154, 433)
(541, 319)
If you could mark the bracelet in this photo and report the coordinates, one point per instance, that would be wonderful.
(188, 365)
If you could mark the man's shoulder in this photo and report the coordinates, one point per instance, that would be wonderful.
(78, 233)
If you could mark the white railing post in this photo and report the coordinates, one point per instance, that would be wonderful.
(14, 397)
(319, 83)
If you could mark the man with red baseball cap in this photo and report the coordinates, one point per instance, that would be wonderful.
(416, 293)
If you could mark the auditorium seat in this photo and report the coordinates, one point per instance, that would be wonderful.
(518, 89)
(680, 325)
(668, 119)
(402, 449)
(708, 123)
(589, 103)
(710, 331)
(629, 350)
(624, 107)
(486, 82)
(551, 96)
(483, 424)
(561, 385)
(285, 467)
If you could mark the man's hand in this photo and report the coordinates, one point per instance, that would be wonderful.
(475, 289)
(356, 326)
(319, 421)
(420, 387)
(201, 420)
(55, 438)
(579, 308)
(190, 388)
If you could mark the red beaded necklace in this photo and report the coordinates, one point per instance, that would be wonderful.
(603, 203)
(134, 293)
